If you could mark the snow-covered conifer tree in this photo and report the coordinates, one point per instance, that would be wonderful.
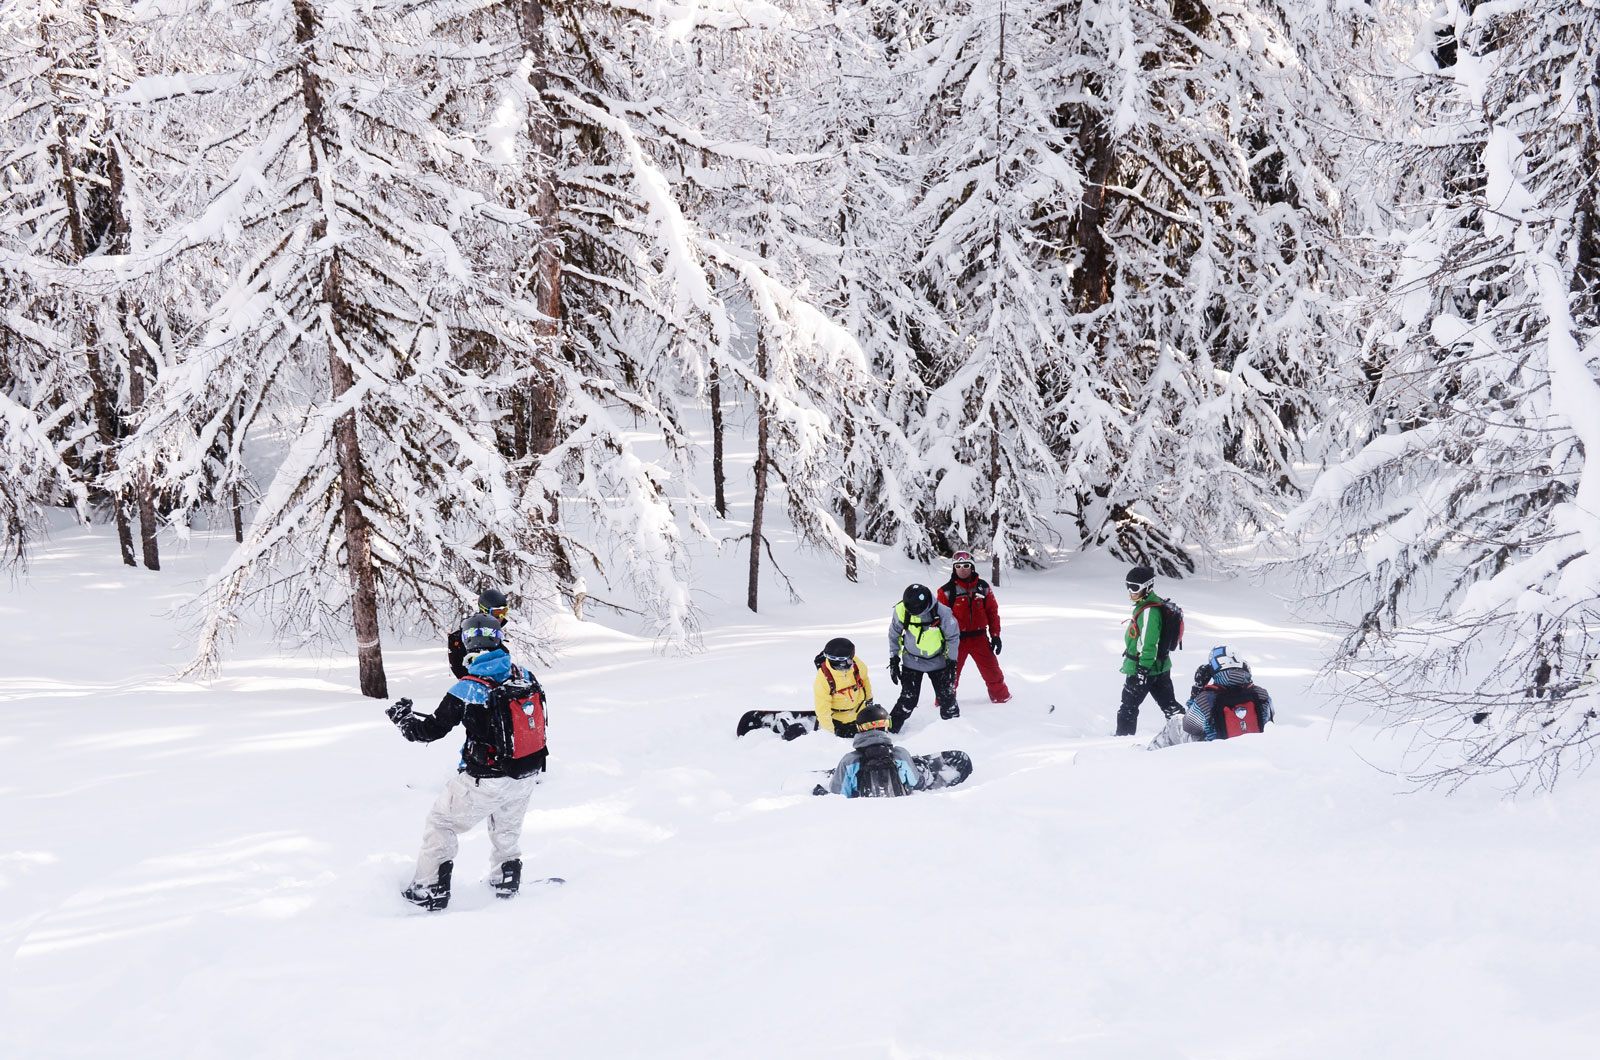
(373, 318)
(1465, 525)
(1133, 247)
(61, 203)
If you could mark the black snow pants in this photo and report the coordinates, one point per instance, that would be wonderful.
(1133, 693)
(944, 693)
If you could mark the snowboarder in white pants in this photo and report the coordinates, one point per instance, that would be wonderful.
(465, 801)
(501, 708)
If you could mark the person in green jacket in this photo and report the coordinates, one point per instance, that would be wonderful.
(1148, 671)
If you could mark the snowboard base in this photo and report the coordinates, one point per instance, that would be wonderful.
(790, 724)
(945, 769)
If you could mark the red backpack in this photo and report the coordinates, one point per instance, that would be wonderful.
(512, 725)
(1234, 711)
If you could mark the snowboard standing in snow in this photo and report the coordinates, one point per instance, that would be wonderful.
(790, 724)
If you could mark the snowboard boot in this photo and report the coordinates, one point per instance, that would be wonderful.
(510, 880)
(950, 712)
(899, 717)
(431, 896)
(1127, 722)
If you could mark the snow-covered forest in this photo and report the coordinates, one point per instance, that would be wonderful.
(421, 296)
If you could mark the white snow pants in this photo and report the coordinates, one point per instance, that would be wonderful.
(464, 802)
(1175, 732)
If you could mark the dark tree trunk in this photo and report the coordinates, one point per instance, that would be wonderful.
(718, 477)
(106, 431)
(545, 138)
(102, 393)
(1093, 281)
(144, 491)
(762, 441)
(346, 439)
(994, 486)
(357, 532)
(847, 501)
(141, 367)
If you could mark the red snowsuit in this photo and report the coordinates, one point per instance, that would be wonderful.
(974, 605)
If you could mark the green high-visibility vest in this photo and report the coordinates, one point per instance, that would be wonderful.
(929, 639)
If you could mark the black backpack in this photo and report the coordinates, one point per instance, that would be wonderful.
(1171, 627)
(878, 773)
(508, 734)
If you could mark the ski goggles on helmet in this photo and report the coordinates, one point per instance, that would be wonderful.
(498, 612)
(839, 662)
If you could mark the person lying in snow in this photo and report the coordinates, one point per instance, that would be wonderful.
(1224, 702)
(875, 767)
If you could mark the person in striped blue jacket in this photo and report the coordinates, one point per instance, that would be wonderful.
(1225, 701)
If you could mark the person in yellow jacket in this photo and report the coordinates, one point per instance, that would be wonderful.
(842, 687)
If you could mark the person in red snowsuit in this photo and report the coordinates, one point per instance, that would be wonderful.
(972, 601)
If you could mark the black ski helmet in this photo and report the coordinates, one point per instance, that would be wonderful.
(871, 716)
(841, 651)
(917, 598)
(481, 633)
(1141, 579)
(493, 602)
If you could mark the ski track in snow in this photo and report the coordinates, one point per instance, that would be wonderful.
(208, 869)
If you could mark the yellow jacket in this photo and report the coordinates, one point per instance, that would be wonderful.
(841, 698)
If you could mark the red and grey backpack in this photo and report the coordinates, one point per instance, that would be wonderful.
(1235, 710)
(509, 735)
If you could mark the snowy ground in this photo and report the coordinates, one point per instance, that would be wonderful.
(210, 869)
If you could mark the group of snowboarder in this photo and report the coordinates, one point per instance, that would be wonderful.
(501, 708)
(1224, 700)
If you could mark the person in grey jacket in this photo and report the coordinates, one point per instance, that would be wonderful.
(924, 638)
(874, 766)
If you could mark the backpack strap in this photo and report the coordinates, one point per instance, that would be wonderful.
(827, 671)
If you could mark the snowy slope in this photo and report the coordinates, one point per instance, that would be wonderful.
(210, 869)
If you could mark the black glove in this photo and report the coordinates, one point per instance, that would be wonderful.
(894, 669)
(844, 728)
(994, 644)
(400, 711)
(1139, 680)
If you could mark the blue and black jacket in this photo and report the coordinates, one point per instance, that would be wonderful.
(484, 672)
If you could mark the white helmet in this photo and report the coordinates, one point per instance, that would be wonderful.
(1227, 660)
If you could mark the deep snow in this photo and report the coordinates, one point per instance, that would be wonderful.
(209, 869)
